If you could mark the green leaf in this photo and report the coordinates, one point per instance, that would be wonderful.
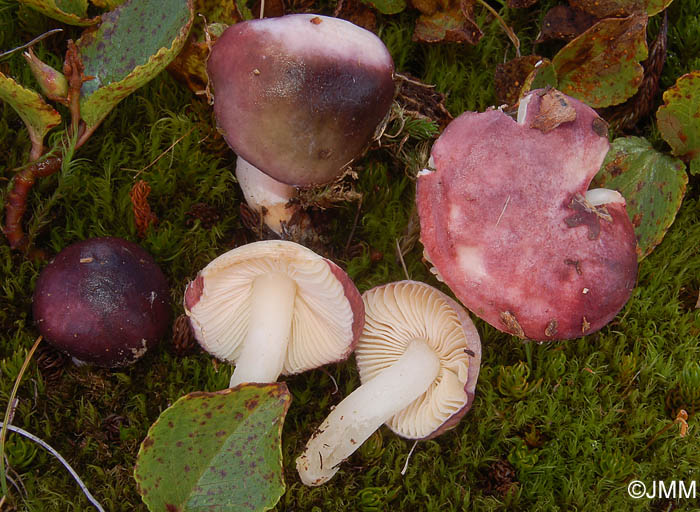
(71, 12)
(539, 78)
(38, 116)
(601, 67)
(388, 6)
(653, 184)
(132, 45)
(678, 119)
(216, 451)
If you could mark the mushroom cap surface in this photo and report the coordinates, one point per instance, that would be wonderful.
(328, 310)
(103, 301)
(300, 96)
(396, 314)
(505, 220)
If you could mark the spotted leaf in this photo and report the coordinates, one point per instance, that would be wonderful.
(601, 67)
(134, 43)
(678, 119)
(216, 451)
(652, 183)
(71, 12)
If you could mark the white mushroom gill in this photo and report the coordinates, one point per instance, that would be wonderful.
(272, 307)
(418, 357)
(427, 314)
(365, 410)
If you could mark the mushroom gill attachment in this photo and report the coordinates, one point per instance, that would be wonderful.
(418, 357)
(510, 225)
(103, 301)
(274, 307)
(300, 96)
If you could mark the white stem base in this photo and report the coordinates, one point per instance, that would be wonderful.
(265, 346)
(365, 410)
(261, 191)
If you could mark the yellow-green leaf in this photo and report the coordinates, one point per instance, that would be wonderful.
(71, 12)
(678, 119)
(38, 116)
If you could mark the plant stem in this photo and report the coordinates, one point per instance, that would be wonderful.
(60, 458)
(16, 203)
(5, 426)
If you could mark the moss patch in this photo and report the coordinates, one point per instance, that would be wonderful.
(560, 426)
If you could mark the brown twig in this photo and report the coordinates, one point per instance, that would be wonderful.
(23, 181)
(16, 203)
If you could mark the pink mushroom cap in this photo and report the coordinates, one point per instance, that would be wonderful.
(510, 226)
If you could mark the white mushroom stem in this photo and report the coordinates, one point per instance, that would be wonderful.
(600, 196)
(365, 410)
(262, 192)
(264, 348)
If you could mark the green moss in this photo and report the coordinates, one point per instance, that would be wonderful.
(574, 424)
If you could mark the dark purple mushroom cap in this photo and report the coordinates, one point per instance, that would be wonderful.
(300, 96)
(103, 301)
(510, 225)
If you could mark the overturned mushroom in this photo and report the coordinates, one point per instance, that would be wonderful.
(510, 225)
(274, 307)
(418, 357)
(298, 98)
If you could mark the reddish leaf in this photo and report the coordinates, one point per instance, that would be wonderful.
(564, 22)
(510, 77)
(617, 8)
(356, 12)
(452, 21)
(520, 4)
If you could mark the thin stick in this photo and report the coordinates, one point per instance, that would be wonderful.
(405, 466)
(354, 225)
(3, 432)
(32, 42)
(63, 461)
(162, 154)
(403, 264)
(262, 8)
(503, 211)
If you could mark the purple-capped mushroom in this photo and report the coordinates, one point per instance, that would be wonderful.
(510, 226)
(418, 357)
(298, 98)
(102, 301)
